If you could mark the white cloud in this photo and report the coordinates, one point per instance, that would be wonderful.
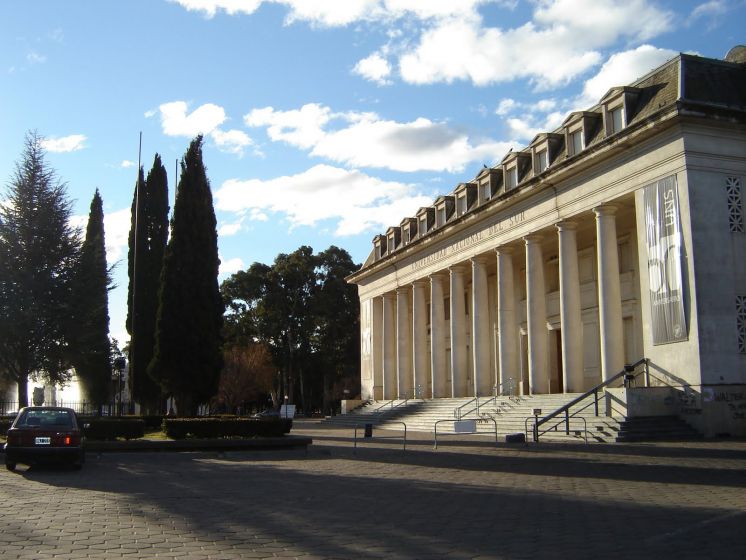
(302, 127)
(334, 13)
(622, 68)
(203, 120)
(714, 10)
(358, 202)
(374, 68)
(366, 140)
(230, 266)
(34, 57)
(126, 164)
(231, 141)
(211, 7)
(228, 230)
(64, 144)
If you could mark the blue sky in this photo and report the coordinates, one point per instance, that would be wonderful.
(326, 121)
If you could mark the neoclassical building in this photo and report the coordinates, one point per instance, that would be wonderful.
(616, 237)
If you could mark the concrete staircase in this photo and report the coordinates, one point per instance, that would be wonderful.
(515, 415)
(656, 428)
(510, 414)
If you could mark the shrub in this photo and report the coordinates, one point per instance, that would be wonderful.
(112, 428)
(181, 428)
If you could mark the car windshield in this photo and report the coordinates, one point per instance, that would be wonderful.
(43, 418)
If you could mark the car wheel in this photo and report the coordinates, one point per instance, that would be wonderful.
(10, 466)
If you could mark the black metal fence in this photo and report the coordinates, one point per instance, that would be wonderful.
(10, 408)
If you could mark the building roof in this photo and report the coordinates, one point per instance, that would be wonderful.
(684, 83)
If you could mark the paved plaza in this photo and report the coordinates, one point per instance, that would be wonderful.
(467, 499)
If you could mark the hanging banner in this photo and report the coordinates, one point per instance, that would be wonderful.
(663, 240)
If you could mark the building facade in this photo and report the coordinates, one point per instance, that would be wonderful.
(617, 237)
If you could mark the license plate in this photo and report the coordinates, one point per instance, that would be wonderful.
(42, 441)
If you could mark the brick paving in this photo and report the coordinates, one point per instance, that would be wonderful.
(469, 499)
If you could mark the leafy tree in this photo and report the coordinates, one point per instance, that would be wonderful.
(38, 255)
(248, 376)
(187, 359)
(303, 310)
(90, 344)
(336, 337)
(147, 245)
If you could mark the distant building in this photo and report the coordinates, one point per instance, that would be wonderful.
(616, 237)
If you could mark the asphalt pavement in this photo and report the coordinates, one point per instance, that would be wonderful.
(469, 498)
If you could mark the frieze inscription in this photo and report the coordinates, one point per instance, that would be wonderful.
(470, 240)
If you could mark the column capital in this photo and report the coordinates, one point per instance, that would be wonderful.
(533, 239)
(440, 275)
(421, 283)
(605, 210)
(566, 225)
(389, 295)
(480, 260)
(504, 250)
(402, 290)
(458, 268)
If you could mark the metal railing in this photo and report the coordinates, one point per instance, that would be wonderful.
(117, 408)
(629, 373)
(473, 432)
(368, 434)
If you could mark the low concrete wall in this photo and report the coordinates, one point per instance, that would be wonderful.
(349, 405)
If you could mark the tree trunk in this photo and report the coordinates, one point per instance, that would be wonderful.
(22, 391)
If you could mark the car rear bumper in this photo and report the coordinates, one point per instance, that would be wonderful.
(29, 455)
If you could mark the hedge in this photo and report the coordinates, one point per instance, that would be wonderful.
(181, 428)
(99, 428)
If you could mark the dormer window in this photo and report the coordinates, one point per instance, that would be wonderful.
(618, 104)
(582, 128)
(466, 196)
(511, 178)
(425, 220)
(393, 239)
(576, 143)
(544, 149)
(444, 208)
(488, 180)
(616, 119)
(379, 246)
(408, 229)
(485, 192)
(422, 225)
(542, 161)
(461, 204)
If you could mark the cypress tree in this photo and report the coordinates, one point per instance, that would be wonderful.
(147, 241)
(38, 252)
(91, 348)
(188, 359)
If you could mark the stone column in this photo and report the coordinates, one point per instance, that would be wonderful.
(480, 329)
(538, 371)
(377, 351)
(437, 337)
(420, 355)
(572, 324)
(609, 293)
(390, 388)
(459, 364)
(507, 324)
(403, 345)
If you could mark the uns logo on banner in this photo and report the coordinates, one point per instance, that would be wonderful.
(664, 270)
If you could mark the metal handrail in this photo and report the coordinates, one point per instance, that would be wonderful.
(354, 445)
(628, 370)
(535, 433)
(457, 411)
(390, 405)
